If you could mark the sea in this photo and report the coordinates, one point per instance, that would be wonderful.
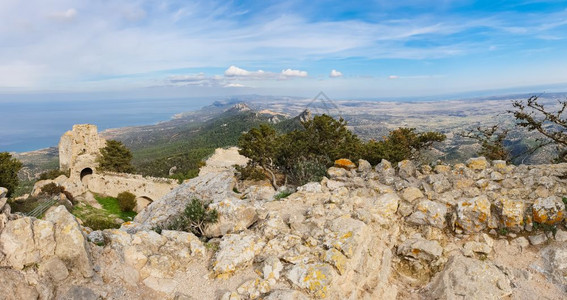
(28, 125)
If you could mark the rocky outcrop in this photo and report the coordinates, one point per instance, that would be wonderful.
(482, 230)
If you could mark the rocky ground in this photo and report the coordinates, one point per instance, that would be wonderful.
(480, 230)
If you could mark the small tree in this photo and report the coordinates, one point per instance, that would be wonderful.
(126, 201)
(552, 125)
(9, 168)
(491, 140)
(261, 145)
(402, 143)
(115, 157)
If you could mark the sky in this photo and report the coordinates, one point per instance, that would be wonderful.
(348, 49)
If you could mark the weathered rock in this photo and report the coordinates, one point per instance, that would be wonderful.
(429, 213)
(80, 292)
(54, 268)
(411, 193)
(185, 240)
(96, 237)
(512, 213)
(335, 172)
(439, 183)
(236, 251)
(235, 215)
(316, 279)
(473, 214)
(478, 163)
(286, 295)
(311, 187)
(384, 207)
(17, 244)
(468, 277)
(271, 269)
(252, 289)
(14, 286)
(344, 163)
(347, 235)
(364, 166)
(537, 239)
(71, 243)
(260, 193)
(406, 169)
(3, 193)
(211, 187)
(385, 170)
(420, 249)
(550, 210)
(555, 263)
(442, 169)
(480, 244)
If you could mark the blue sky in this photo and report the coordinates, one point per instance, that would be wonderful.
(356, 49)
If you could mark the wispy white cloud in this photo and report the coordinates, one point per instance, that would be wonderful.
(66, 15)
(335, 74)
(294, 73)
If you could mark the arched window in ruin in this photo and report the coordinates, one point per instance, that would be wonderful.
(86, 172)
(142, 202)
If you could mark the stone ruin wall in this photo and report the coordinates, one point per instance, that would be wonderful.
(78, 151)
(79, 148)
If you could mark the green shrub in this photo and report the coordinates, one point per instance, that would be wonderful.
(194, 218)
(9, 168)
(305, 170)
(282, 194)
(99, 223)
(126, 201)
(52, 189)
(250, 172)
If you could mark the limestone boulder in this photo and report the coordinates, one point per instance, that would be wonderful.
(3, 192)
(384, 207)
(555, 264)
(512, 213)
(54, 268)
(411, 193)
(480, 244)
(469, 277)
(17, 244)
(236, 251)
(211, 187)
(335, 172)
(71, 243)
(316, 279)
(364, 166)
(235, 215)
(386, 171)
(260, 193)
(345, 164)
(477, 163)
(311, 187)
(14, 286)
(550, 210)
(406, 169)
(430, 213)
(420, 249)
(473, 214)
(439, 183)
